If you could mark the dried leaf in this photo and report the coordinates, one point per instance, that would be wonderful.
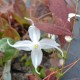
(12, 33)
(7, 31)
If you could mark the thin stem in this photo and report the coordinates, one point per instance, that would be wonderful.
(50, 74)
(71, 66)
(72, 29)
(73, 24)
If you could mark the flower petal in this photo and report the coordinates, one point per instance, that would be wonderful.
(22, 45)
(70, 15)
(34, 33)
(59, 50)
(68, 38)
(48, 43)
(52, 36)
(36, 56)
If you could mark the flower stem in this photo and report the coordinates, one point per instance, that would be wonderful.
(72, 29)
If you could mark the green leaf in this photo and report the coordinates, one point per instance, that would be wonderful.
(42, 73)
(28, 62)
(24, 57)
(1, 61)
(1, 33)
(59, 75)
(6, 49)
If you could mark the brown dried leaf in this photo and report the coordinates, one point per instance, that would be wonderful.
(12, 33)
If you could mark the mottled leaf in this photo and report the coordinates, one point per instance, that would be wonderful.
(6, 49)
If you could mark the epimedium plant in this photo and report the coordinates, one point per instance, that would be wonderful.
(16, 34)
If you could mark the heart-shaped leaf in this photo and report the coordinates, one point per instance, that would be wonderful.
(6, 49)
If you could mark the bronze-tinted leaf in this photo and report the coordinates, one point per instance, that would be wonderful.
(20, 8)
(53, 29)
(61, 10)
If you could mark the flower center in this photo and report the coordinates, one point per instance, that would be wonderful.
(36, 46)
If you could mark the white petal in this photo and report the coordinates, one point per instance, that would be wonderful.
(61, 62)
(70, 15)
(48, 43)
(59, 50)
(22, 45)
(34, 33)
(52, 36)
(6, 72)
(68, 38)
(36, 56)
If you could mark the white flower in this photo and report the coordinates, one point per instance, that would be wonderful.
(35, 45)
(52, 36)
(61, 62)
(70, 15)
(68, 38)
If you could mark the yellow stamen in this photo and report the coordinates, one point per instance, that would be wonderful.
(36, 46)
